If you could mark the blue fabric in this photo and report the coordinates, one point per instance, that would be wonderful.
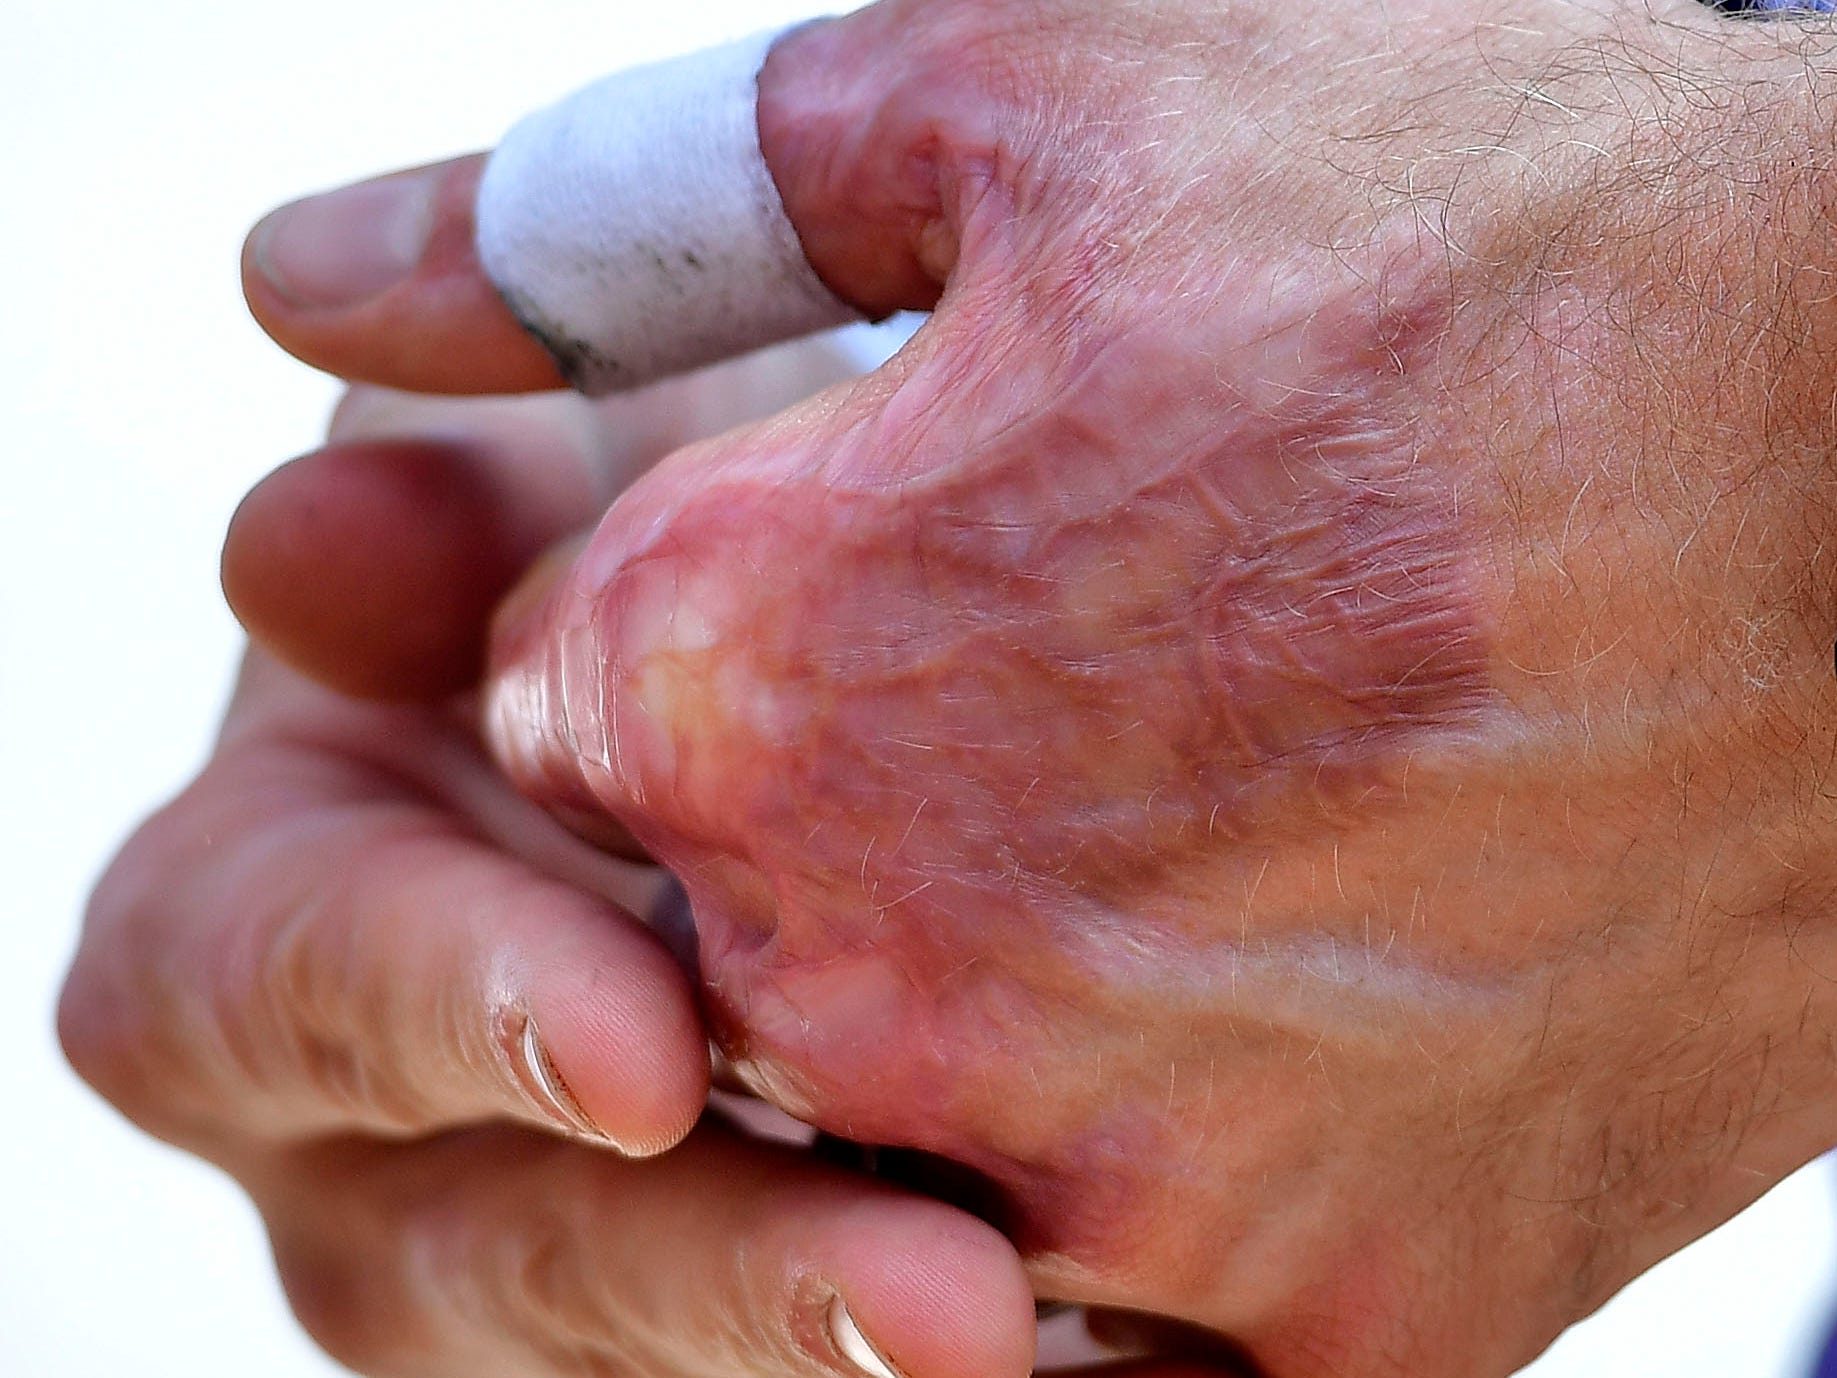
(1773, 7)
(1827, 1363)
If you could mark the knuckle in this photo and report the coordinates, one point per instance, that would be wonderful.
(94, 1036)
(528, 1277)
(115, 1020)
(286, 987)
(119, 1036)
(203, 1001)
(523, 1275)
(221, 989)
(292, 1009)
(338, 1304)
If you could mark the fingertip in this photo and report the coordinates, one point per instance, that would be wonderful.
(626, 1044)
(372, 566)
(930, 1291)
(379, 281)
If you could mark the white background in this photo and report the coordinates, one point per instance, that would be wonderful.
(136, 404)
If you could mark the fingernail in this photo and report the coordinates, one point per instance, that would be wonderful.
(349, 245)
(552, 1093)
(854, 1346)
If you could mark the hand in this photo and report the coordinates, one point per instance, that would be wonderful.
(1287, 730)
(410, 1014)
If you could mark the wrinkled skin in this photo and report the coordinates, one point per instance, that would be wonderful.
(1289, 729)
(420, 1023)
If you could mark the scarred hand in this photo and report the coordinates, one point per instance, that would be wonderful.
(418, 1021)
(1288, 729)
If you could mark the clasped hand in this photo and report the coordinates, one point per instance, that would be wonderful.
(1285, 732)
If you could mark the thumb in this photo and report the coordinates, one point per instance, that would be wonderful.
(659, 220)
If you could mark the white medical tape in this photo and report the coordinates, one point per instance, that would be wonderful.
(635, 229)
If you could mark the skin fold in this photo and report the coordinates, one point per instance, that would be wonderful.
(1289, 729)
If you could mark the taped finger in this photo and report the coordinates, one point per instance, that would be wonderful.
(635, 228)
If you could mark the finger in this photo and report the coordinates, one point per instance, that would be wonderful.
(303, 944)
(373, 565)
(658, 220)
(490, 1253)
(380, 282)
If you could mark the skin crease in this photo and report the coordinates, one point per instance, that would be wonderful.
(322, 967)
(1289, 729)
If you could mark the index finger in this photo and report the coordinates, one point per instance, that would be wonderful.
(658, 220)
